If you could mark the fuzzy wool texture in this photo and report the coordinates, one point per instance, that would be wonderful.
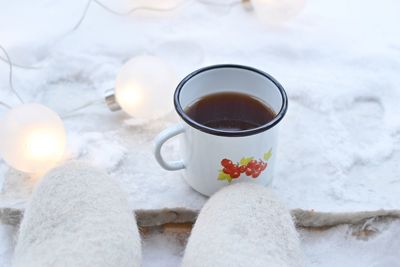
(78, 216)
(243, 225)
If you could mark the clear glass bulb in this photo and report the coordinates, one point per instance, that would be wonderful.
(273, 12)
(32, 138)
(144, 87)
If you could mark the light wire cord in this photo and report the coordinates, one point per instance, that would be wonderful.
(77, 25)
(85, 11)
(118, 13)
(21, 66)
(10, 76)
(72, 112)
(146, 8)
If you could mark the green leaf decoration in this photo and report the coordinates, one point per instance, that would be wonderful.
(268, 155)
(223, 176)
(245, 161)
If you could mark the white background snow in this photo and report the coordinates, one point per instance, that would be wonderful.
(338, 60)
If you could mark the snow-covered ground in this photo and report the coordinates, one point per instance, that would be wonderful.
(332, 248)
(338, 246)
(338, 60)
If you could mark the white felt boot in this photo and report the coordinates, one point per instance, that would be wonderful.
(243, 225)
(78, 217)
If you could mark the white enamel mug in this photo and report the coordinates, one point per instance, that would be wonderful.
(213, 158)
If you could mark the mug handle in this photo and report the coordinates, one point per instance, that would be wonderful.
(159, 142)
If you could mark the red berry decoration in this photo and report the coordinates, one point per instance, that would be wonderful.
(235, 175)
(242, 169)
(253, 162)
(249, 166)
(226, 170)
(226, 163)
(255, 174)
(249, 171)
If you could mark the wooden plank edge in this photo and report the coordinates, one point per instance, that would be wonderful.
(302, 218)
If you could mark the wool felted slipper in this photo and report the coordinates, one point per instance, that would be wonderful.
(78, 216)
(243, 225)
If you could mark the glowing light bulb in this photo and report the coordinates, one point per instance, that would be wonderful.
(32, 138)
(274, 12)
(144, 87)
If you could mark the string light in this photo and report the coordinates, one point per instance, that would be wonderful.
(141, 87)
(32, 138)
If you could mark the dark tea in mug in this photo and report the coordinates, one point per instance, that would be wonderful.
(230, 111)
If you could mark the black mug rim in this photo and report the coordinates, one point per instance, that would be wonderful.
(218, 132)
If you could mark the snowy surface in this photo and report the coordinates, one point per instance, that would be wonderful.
(339, 246)
(339, 62)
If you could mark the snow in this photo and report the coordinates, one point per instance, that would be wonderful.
(7, 234)
(338, 60)
(340, 246)
(337, 246)
(163, 249)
